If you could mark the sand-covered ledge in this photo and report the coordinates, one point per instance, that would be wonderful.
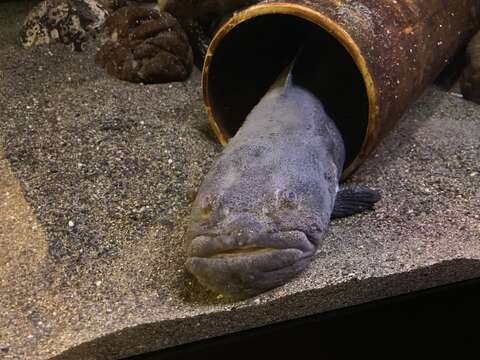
(96, 181)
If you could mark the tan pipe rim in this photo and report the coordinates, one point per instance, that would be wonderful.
(325, 23)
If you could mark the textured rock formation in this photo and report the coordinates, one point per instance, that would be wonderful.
(143, 45)
(67, 21)
(117, 4)
(113, 4)
(204, 9)
(201, 18)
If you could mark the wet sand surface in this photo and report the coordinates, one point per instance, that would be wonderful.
(96, 181)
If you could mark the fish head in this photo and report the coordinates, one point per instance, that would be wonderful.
(254, 227)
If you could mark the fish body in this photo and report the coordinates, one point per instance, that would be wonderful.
(264, 208)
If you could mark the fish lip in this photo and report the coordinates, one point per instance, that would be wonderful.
(274, 252)
(231, 246)
(227, 276)
(244, 251)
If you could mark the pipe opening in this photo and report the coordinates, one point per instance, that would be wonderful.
(251, 55)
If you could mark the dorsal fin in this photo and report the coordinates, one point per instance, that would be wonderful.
(285, 79)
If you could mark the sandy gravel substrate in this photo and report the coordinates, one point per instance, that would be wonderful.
(96, 181)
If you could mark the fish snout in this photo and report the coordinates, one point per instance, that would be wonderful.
(242, 266)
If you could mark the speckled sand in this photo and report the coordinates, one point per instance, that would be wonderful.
(96, 180)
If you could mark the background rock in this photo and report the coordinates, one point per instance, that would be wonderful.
(117, 4)
(143, 45)
(470, 80)
(113, 5)
(66, 21)
(204, 9)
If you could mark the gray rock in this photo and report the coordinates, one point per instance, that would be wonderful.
(66, 21)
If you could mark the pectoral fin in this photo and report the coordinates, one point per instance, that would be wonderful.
(351, 201)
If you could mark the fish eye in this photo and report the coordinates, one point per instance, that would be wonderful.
(289, 197)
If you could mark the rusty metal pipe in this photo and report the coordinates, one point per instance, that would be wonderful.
(377, 57)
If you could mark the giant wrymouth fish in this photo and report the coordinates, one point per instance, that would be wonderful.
(264, 208)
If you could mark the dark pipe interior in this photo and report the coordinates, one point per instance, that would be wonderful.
(252, 55)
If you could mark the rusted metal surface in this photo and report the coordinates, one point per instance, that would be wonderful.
(399, 47)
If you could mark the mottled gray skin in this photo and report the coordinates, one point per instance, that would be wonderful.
(264, 207)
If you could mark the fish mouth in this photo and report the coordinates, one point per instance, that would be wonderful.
(246, 251)
(248, 244)
(239, 266)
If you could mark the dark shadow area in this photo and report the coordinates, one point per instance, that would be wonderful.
(433, 322)
(254, 53)
(451, 73)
